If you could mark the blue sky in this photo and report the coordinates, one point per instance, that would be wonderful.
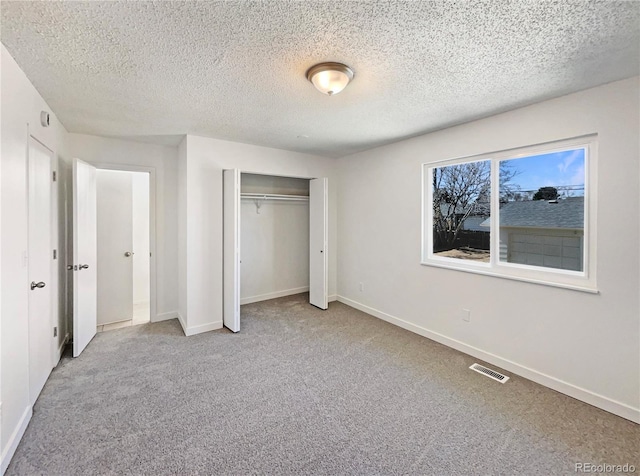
(558, 168)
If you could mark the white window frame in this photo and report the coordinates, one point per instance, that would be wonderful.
(584, 280)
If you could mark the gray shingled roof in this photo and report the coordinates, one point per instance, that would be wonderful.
(567, 213)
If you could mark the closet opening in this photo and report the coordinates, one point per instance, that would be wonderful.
(274, 237)
(123, 249)
(275, 240)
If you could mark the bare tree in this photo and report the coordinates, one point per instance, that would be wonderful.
(464, 190)
(458, 191)
(509, 191)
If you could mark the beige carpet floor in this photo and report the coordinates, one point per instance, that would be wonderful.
(303, 391)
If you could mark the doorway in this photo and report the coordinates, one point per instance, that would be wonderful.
(123, 249)
(273, 244)
(274, 236)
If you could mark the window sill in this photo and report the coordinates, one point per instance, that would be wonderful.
(486, 270)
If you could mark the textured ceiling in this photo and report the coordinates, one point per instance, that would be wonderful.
(236, 70)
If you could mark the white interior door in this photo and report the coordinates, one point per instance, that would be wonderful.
(40, 256)
(115, 246)
(318, 240)
(85, 248)
(231, 249)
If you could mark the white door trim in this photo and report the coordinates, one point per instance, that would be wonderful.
(152, 226)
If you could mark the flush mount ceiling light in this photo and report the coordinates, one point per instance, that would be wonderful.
(330, 78)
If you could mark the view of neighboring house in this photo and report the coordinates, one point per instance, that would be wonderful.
(474, 223)
(470, 222)
(543, 233)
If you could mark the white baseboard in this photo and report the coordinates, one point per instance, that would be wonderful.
(191, 331)
(165, 316)
(332, 297)
(579, 393)
(61, 348)
(14, 439)
(276, 294)
(210, 326)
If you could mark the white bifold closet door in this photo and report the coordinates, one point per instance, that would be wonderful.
(231, 249)
(318, 240)
(85, 252)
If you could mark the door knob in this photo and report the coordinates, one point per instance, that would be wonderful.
(128, 253)
(37, 285)
(83, 266)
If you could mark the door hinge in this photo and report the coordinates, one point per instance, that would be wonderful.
(55, 332)
(55, 254)
(54, 176)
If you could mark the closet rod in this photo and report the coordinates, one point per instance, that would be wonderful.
(272, 196)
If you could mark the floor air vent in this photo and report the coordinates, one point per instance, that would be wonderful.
(489, 373)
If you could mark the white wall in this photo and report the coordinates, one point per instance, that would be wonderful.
(206, 158)
(582, 344)
(105, 151)
(275, 249)
(21, 106)
(140, 195)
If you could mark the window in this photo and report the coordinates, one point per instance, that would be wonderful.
(522, 214)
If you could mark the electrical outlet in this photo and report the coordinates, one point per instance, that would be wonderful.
(465, 314)
(361, 287)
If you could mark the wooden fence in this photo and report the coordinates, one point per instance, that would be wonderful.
(479, 240)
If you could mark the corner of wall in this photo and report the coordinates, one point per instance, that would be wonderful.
(183, 323)
(182, 232)
(166, 316)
